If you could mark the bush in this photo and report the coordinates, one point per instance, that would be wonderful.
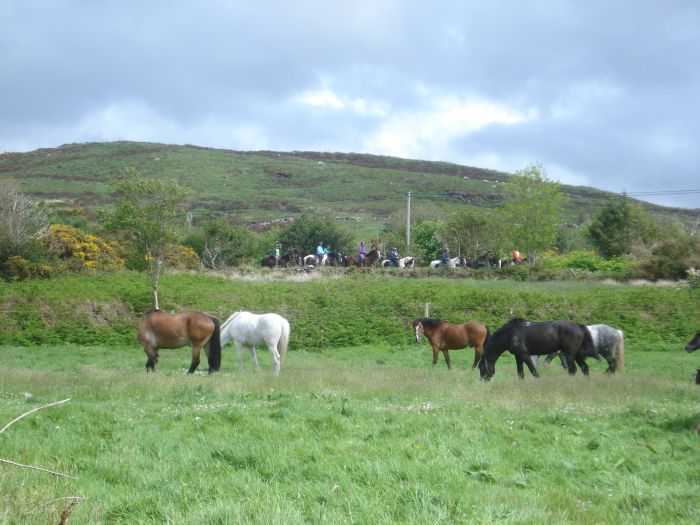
(76, 250)
(17, 268)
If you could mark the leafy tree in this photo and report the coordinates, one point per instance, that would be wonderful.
(672, 258)
(308, 230)
(146, 214)
(533, 209)
(23, 221)
(472, 232)
(220, 245)
(394, 230)
(427, 239)
(619, 225)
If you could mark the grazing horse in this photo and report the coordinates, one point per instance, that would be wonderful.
(609, 342)
(444, 336)
(248, 330)
(693, 345)
(270, 262)
(525, 339)
(163, 330)
(311, 259)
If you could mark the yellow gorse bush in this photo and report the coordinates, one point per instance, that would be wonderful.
(82, 251)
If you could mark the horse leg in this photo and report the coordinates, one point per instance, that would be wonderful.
(478, 354)
(531, 366)
(272, 347)
(152, 358)
(519, 365)
(446, 353)
(254, 357)
(436, 352)
(582, 363)
(570, 364)
(239, 353)
(195, 358)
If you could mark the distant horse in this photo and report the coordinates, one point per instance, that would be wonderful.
(248, 330)
(525, 339)
(320, 260)
(335, 259)
(372, 257)
(349, 260)
(270, 262)
(452, 263)
(693, 345)
(444, 336)
(402, 262)
(163, 330)
(609, 342)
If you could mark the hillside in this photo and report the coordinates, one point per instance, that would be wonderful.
(266, 186)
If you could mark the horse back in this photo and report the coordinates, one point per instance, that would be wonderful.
(165, 330)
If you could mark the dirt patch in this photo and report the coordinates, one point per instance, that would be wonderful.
(103, 314)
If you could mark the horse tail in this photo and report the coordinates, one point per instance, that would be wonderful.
(620, 353)
(587, 346)
(283, 342)
(215, 346)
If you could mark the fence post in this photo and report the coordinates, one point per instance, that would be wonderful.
(426, 310)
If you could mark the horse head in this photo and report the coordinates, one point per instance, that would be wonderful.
(486, 369)
(693, 344)
(418, 329)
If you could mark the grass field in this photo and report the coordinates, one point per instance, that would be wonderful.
(367, 434)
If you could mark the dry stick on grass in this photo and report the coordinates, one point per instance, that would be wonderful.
(31, 466)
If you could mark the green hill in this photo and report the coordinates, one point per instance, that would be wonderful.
(267, 186)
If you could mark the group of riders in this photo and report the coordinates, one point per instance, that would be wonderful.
(324, 255)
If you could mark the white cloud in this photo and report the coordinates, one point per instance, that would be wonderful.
(426, 134)
(328, 99)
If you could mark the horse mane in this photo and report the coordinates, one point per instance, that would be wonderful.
(231, 317)
(429, 322)
(153, 310)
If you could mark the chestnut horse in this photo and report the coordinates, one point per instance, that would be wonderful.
(163, 330)
(444, 336)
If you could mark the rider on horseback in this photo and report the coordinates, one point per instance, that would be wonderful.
(394, 256)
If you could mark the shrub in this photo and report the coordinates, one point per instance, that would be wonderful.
(17, 268)
(76, 250)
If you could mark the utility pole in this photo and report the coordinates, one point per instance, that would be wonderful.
(408, 223)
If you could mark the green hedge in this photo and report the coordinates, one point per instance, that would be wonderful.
(339, 310)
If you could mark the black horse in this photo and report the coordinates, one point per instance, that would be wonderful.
(525, 339)
(693, 345)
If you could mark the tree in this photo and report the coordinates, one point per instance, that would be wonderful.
(220, 245)
(146, 214)
(427, 239)
(619, 225)
(533, 209)
(472, 232)
(308, 230)
(23, 221)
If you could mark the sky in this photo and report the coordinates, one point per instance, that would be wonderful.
(600, 93)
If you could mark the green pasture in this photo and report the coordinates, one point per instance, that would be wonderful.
(366, 434)
(358, 428)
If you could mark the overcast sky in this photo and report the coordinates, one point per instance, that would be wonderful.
(602, 93)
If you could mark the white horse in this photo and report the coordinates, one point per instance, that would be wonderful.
(403, 262)
(452, 263)
(249, 330)
(311, 260)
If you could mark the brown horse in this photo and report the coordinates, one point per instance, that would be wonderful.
(372, 258)
(163, 330)
(444, 336)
